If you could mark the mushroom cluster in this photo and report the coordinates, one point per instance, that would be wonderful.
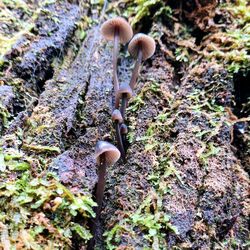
(141, 47)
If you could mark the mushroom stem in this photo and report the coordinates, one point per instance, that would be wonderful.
(136, 69)
(91, 242)
(124, 105)
(99, 198)
(119, 140)
(100, 184)
(124, 137)
(115, 57)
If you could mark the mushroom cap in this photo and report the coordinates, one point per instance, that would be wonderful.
(124, 129)
(117, 23)
(145, 42)
(125, 89)
(111, 153)
(117, 116)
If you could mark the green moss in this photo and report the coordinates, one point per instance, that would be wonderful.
(207, 151)
(39, 213)
(41, 149)
(15, 26)
(231, 47)
(17, 4)
(181, 54)
(4, 115)
(140, 9)
(149, 219)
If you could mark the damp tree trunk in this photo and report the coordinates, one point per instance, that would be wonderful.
(185, 182)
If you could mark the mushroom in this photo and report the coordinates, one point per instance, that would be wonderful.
(124, 93)
(117, 119)
(116, 29)
(124, 129)
(141, 47)
(106, 154)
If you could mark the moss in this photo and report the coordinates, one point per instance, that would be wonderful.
(139, 10)
(39, 211)
(15, 27)
(231, 45)
(4, 114)
(41, 149)
(149, 219)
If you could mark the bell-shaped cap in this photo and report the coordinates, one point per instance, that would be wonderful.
(117, 116)
(124, 129)
(124, 89)
(107, 150)
(145, 42)
(121, 25)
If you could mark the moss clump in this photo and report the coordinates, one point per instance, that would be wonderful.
(149, 219)
(15, 17)
(39, 213)
(40, 148)
(4, 115)
(231, 47)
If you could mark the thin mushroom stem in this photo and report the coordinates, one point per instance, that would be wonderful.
(115, 57)
(119, 140)
(100, 185)
(136, 69)
(99, 198)
(91, 242)
(123, 105)
(124, 137)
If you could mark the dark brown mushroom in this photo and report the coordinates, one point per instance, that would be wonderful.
(106, 154)
(140, 47)
(124, 93)
(118, 119)
(124, 129)
(116, 29)
(117, 116)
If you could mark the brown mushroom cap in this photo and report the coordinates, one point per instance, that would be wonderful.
(145, 42)
(111, 153)
(117, 116)
(124, 129)
(125, 89)
(117, 23)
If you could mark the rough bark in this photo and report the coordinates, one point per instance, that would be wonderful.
(180, 159)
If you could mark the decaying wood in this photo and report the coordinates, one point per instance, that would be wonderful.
(69, 110)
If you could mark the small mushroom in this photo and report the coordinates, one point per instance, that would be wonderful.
(117, 118)
(124, 93)
(124, 129)
(106, 154)
(141, 47)
(116, 29)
